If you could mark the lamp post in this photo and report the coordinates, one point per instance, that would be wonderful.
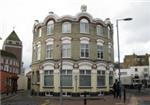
(60, 73)
(124, 19)
(61, 91)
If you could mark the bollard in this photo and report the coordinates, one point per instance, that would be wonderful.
(85, 100)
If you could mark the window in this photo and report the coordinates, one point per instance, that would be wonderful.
(100, 78)
(66, 77)
(38, 52)
(84, 50)
(66, 53)
(136, 70)
(111, 78)
(84, 26)
(99, 30)
(49, 51)
(40, 32)
(50, 27)
(85, 77)
(48, 78)
(145, 70)
(35, 53)
(100, 51)
(66, 27)
(38, 76)
(110, 51)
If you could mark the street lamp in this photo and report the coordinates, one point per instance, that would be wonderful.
(60, 73)
(61, 91)
(124, 19)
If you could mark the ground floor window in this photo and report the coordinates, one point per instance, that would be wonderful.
(85, 77)
(111, 78)
(100, 78)
(48, 78)
(66, 77)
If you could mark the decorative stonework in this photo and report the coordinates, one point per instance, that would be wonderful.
(76, 66)
(83, 8)
(56, 66)
(94, 66)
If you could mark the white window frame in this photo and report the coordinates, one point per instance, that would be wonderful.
(67, 72)
(85, 73)
(84, 25)
(102, 75)
(66, 27)
(49, 51)
(50, 27)
(66, 50)
(99, 30)
(49, 73)
(100, 51)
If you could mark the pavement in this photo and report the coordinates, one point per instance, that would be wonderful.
(100, 100)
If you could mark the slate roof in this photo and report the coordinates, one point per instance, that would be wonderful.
(13, 36)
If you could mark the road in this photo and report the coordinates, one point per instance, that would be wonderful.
(24, 98)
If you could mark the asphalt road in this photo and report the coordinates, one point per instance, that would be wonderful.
(24, 98)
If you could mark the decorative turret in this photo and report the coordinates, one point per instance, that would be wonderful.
(83, 8)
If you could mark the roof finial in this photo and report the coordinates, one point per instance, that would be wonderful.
(14, 27)
(83, 8)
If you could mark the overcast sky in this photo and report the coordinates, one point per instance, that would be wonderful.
(134, 35)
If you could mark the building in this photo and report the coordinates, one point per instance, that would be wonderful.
(13, 45)
(135, 60)
(80, 46)
(135, 70)
(9, 67)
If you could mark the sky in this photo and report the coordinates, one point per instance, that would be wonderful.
(134, 35)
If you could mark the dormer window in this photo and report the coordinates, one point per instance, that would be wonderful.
(99, 30)
(66, 27)
(50, 27)
(84, 26)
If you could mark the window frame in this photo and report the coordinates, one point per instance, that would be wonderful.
(99, 30)
(84, 26)
(101, 76)
(84, 50)
(66, 27)
(50, 27)
(50, 74)
(85, 75)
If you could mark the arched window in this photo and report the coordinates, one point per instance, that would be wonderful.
(66, 27)
(85, 74)
(84, 26)
(50, 27)
(99, 30)
(49, 48)
(84, 47)
(66, 47)
(100, 49)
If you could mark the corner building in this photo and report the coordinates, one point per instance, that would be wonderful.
(80, 46)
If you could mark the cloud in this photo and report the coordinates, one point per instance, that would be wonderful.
(138, 28)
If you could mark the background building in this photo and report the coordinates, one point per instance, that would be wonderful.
(13, 45)
(12, 66)
(80, 46)
(9, 67)
(135, 70)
